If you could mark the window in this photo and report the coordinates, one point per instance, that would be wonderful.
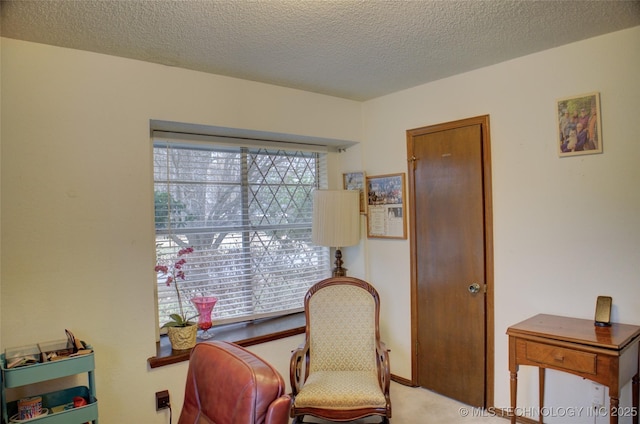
(246, 211)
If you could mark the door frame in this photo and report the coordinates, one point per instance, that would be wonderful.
(483, 121)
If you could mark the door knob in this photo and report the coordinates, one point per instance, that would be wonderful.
(474, 288)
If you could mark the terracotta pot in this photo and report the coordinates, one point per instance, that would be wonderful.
(182, 338)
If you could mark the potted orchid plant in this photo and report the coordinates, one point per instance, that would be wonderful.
(182, 331)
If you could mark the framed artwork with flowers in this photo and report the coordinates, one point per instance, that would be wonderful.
(579, 125)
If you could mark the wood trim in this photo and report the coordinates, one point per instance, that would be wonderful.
(489, 266)
(402, 380)
(242, 334)
(483, 121)
(413, 274)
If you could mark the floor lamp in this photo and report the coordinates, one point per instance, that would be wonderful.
(336, 222)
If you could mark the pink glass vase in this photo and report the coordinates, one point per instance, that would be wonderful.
(204, 305)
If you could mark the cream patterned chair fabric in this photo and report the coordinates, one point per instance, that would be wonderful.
(341, 373)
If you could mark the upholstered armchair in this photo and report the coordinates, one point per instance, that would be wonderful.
(341, 372)
(227, 384)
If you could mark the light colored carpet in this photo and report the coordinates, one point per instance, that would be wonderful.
(410, 405)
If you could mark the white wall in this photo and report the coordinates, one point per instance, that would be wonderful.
(565, 229)
(77, 205)
(77, 186)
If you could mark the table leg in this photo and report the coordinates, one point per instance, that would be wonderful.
(614, 402)
(635, 389)
(541, 392)
(514, 395)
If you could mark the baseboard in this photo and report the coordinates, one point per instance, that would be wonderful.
(403, 381)
(505, 414)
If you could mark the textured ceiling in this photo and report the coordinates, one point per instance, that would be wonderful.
(346, 48)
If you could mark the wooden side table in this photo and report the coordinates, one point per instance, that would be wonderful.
(607, 355)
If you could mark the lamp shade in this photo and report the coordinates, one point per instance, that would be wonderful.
(336, 218)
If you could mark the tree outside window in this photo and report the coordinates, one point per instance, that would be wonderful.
(247, 214)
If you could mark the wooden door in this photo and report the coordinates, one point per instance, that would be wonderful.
(451, 245)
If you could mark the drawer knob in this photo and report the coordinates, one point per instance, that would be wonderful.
(559, 358)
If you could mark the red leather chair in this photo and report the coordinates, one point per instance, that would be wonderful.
(227, 384)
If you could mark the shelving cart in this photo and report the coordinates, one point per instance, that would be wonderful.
(36, 373)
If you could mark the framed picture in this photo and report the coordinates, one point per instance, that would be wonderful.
(386, 217)
(579, 125)
(355, 181)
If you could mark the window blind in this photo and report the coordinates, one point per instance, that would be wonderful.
(246, 211)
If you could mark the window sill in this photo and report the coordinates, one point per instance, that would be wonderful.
(243, 334)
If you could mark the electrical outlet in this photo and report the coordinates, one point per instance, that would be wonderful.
(162, 400)
(597, 395)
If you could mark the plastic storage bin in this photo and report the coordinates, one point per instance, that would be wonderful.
(55, 403)
(22, 356)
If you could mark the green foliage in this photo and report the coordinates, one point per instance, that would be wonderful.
(165, 207)
(573, 106)
(178, 321)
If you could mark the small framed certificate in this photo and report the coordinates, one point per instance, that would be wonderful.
(386, 216)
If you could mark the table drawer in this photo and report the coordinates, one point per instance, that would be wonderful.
(558, 357)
